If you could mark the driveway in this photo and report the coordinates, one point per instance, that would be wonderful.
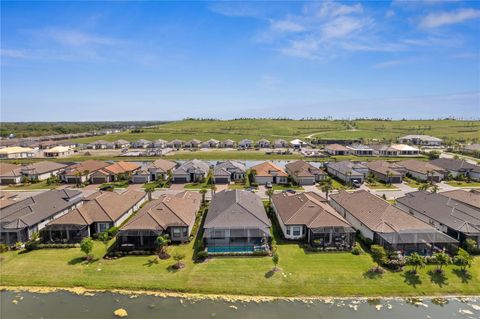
(176, 187)
(221, 187)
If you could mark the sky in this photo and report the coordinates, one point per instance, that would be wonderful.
(152, 60)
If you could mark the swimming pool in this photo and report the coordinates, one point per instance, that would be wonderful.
(230, 249)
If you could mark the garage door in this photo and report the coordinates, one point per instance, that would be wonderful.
(7, 181)
(179, 179)
(221, 180)
(98, 180)
(396, 180)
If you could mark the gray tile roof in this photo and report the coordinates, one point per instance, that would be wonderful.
(228, 167)
(457, 165)
(193, 166)
(345, 167)
(236, 209)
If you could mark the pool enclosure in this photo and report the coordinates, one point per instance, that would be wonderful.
(423, 241)
(131, 239)
(339, 238)
(236, 240)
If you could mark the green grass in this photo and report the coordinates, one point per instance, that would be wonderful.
(306, 274)
(411, 182)
(273, 129)
(379, 185)
(285, 187)
(463, 184)
(32, 186)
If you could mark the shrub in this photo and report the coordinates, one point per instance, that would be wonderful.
(395, 264)
(86, 246)
(202, 255)
(3, 248)
(379, 254)
(471, 247)
(31, 245)
(113, 231)
(357, 249)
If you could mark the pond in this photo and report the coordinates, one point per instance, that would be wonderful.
(62, 304)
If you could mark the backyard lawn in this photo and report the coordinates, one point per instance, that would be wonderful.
(463, 184)
(378, 185)
(302, 274)
(32, 186)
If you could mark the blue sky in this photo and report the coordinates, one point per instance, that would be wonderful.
(86, 61)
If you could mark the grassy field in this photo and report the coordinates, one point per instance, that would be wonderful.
(32, 186)
(411, 182)
(290, 129)
(463, 184)
(379, 185)
(302, 274)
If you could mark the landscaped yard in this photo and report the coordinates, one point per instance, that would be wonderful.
(463, 184)
(32, 186)
(379, 185)
(309, 274)
(411, 182)
(286, 187)
(336, 185)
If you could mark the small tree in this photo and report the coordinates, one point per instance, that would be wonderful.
(104, 237)
(441, 259)
(149, 189)
(269, 193)
(379, 255)
(161, 242)
(463, 260)
(86, 245)
(203, 191)
(424, 186)
(434, 188)
(275, 259)
(327, 186)
(178, 257)
(415, 260)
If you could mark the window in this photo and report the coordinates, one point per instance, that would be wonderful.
(288, 230)
(296, 231)
(176, 232)
(102, 227)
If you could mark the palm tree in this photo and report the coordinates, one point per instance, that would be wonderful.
(203, 191)
(389, 177)
(269, 193)
(214, 188)
(327, 186)
(434, 188)
(149, 189)
(423, 187)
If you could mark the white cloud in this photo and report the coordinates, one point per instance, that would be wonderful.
(13, 53)
(286, 26)
(438, 19)
(343, 26)
(390, 63)
(76, 38)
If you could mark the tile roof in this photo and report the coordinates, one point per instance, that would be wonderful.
(121, 167)
(88, 165)
(347, 167)
(458, 165)
(384, 167)
(444, 209)
(228, 167)
(268, 169)
(307, 209)
(336, 147)
(10, 170)
(236, 209)
(303, 169)
(193, 166)
(42, 167)
(377, 214)
(471, 198)
(34, 209)
(167, 211)
(164, 165)
(420, 166)
(101, 207)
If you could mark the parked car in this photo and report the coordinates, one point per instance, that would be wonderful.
(356, 183)
(268, 185)
(291, 191)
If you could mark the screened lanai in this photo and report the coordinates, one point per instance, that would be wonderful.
(238, 239)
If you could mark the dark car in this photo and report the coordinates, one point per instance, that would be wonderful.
(268, 185)
(291, 191)
(356, 183)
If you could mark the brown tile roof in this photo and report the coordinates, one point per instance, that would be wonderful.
(164, 165)
(336, 147)
(383, 167)
(10, 170)
(307, 209)
(420, 166)
(101, 207)
(167, 211)
(266, 169)
(121, 167)
(471, 198)
(88, 165)
(377, 214)
(303, 169)
(42, 167)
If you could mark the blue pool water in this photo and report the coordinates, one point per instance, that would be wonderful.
(230, 249)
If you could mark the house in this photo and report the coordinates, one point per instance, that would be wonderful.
(422, 171)
(160, 143)
(246, 143)
(424, 140)
(471, 149)
(337, 149)
(228, 144)
(360, 150)
(267, 172)
(45, 145)
(387, 225)
(280, 143)
(192, 144)
(308, 216)
(7, 199)
(211, 143)
(386, 172)
(159, 169)
(176, 144)
(457, 167)
(236, 222)
(114, 172)
(81, 172)
(304, 173)
(40, 171)
(228, 171)
(395, 150)
(193, 171)
(58, 151)
(471, 198)
(172, 215)
(347, 171)
(142, 143)
(446, 214)
(98, 213)
(16, 152)
(100, 145)
(297, 144)
(20, 220)
(121, 144)
(263, 143)
(10, 174)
